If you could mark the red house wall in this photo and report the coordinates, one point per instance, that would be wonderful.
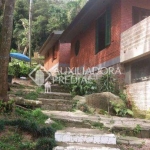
(49, 59)
(86, 56)
(121, 21)
(65, 53)
(126, 11)
(62, 53)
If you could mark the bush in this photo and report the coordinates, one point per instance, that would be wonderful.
(31, 127)
(107, 83)
(19, 68)
(31, 95)
(77, 85)
(1, 125)
(45, 144)
(34, 115)
(6, 107)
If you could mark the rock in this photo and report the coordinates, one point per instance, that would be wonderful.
(49, 121)
(81, 100)
(103, 100)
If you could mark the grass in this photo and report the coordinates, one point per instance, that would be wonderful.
(26, 130)
(31, 95)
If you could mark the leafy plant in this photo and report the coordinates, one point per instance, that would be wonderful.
(34, 115)
(107, 83)
(6, 107)
(137, 129)
(121, 110)
(77, 85)
(123, 97)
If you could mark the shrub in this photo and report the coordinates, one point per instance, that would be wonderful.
(45, 144)
(107, 83)
(31, 127)
(27, 146)
(77, 85)
(1, 125)
(19, 68)
(34, 115)
(31, 95)
(6, 107)
(121, 110)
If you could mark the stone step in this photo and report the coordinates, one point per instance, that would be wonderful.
(125, 126)
(80, 146)
(56, 104)
(56, 95)
(58, 88)
(84, 135)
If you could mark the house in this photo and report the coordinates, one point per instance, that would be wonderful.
(56, 54)
(114, 33)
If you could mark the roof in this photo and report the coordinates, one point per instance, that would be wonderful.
(50, 42)
(84, 18)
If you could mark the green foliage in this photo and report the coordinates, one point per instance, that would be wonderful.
(31, 127)
(57, 125)
(74, 105)
(97, 125)
(137, 129)
(6, 107)
(31, 95)
(19, 68)
(48, 15)
(123, 97)
(45, 144)
(77, 85)
(107, 83)
(121, 110)
(34, 115)
(10, 141)
(31, 122)
(1, 125)
(27, 146)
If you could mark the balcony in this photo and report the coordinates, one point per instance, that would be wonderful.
(135, 42)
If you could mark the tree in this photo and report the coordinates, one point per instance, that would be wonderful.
(5, 43)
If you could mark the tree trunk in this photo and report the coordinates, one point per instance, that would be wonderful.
(25, 49)
(5, 43)
(0, 3)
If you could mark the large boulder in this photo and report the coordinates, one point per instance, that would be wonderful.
(102, 101)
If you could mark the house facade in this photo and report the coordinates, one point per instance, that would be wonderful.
(114, 33)
(56, 54)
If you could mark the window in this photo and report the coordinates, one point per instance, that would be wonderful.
(54, 53)
(103, 31)
(77, 47)
(138, 14)
(140, 70)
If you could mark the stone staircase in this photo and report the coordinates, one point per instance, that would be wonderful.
(59, 99)
(83, 138)
(79, 133)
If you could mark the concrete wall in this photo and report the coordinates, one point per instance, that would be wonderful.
(139, 93)
(133, 46)
(86, 56)
(135, 41)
